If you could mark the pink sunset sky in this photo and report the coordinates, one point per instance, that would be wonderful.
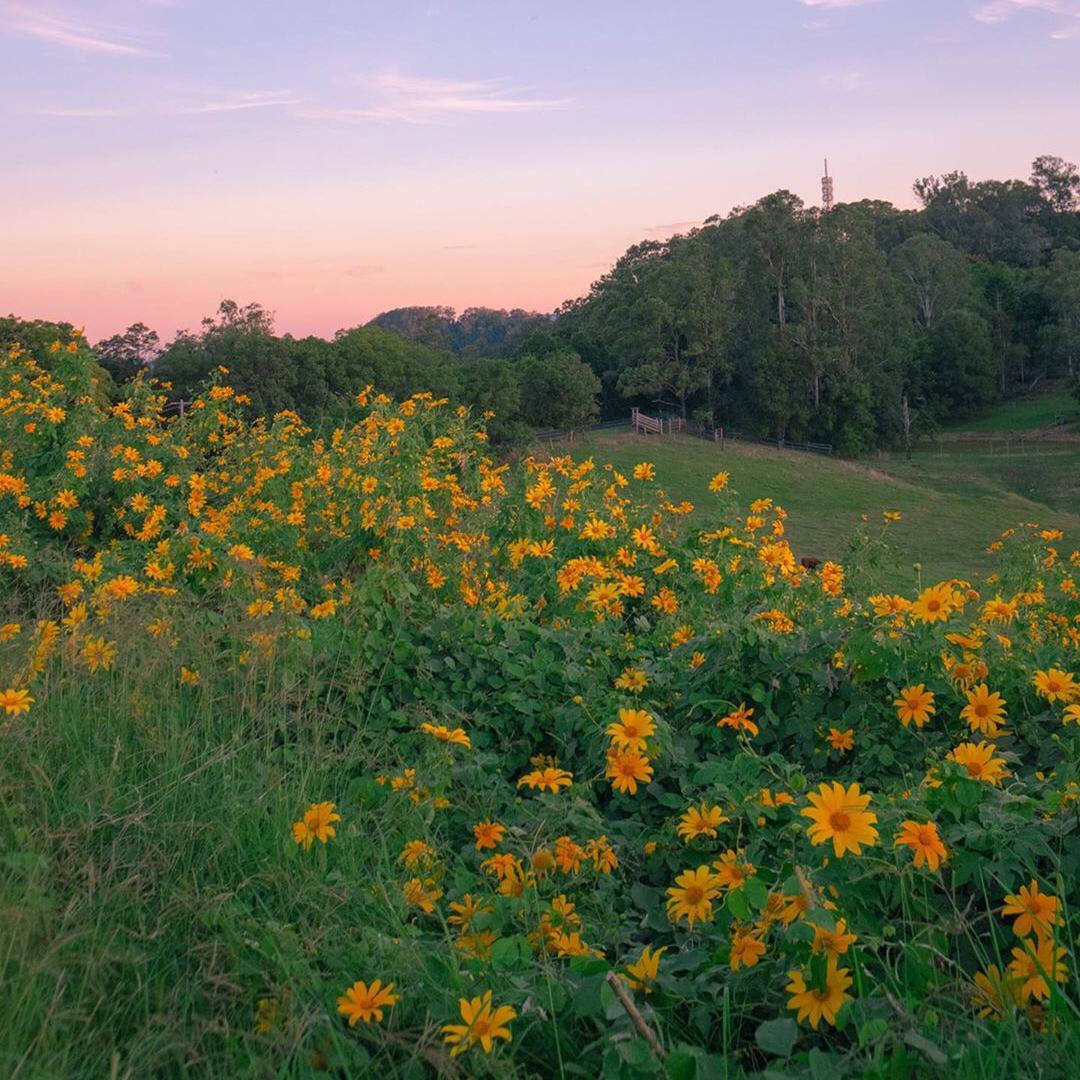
(332, 160)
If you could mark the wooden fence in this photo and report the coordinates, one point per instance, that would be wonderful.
(648, 425)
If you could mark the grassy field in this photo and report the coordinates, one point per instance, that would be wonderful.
(953, 502)
(1039, 411)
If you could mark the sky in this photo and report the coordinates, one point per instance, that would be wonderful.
(331, 159)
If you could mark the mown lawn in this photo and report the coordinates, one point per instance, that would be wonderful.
(953, 504)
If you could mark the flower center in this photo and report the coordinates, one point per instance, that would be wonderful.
(974, 768)
(694, 894)
(840, 821)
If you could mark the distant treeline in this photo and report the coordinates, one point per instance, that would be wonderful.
(857, 327)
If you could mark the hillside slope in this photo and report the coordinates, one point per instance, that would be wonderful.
(948, 518)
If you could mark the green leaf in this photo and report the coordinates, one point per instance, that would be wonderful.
(589, 965)
(757, 895)
(737, 905)
(510, 953)
(681, 1065)
(777, 1037)
(824, 1066)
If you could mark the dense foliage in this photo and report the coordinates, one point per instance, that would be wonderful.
(781, 320)
(358, 751)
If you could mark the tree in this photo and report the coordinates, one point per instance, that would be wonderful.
(962, 379)
(36, 336)
(492, 387)
(775, 228)
(558, 391)
(124, 355)
(934, 277)
(1057, 182)
(1061, 332)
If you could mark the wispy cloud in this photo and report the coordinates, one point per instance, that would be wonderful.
(672, 227)
(416, 100)
(846, 82)
(999, 11)
(68, 33)
(257, 99)
(835, 3)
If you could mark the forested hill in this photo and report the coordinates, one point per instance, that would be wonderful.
(776, 320)
(787, 321)
(477, 331)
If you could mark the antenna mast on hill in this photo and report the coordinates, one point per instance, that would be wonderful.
(826, 189)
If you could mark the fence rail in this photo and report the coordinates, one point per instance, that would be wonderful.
(721, 435)
(648, 425)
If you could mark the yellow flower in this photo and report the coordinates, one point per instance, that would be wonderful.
(632, 679)
(488, 834)
(935, 604)
(549, 779)
(99, 653)
(817, 1004)
(841, 816)
(363, 1002)
(834, 942)
(1035, 911)
(483, 1024)
(984, 712)
(979, 761)
(625, 768)
(915, 705)
(316, 824)
(739, 719)
(1032, 963)
(998, 610)
(15, 701)
(730, 872)
(421, 893)
(924, 841)
(644, 471)
(994, 993)
(841, 741)
(642, 973)
(417, 851)
(746, 950)
(1056, 685)
(463, 912)
(700, 821)
(456, 736)
(692, 895)
(632, 729)
(719, 481)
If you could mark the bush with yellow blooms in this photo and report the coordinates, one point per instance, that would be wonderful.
(355, 749)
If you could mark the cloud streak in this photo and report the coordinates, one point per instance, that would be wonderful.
(257, 99)
(419, 100)
(999, 11)
(69, 34)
